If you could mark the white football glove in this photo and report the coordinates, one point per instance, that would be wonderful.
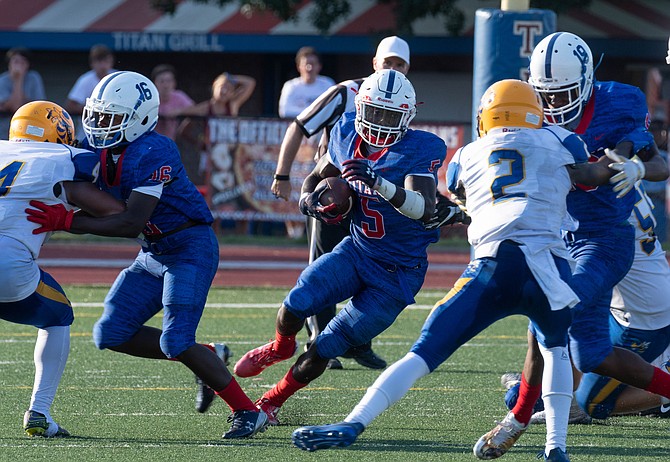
(630, 172)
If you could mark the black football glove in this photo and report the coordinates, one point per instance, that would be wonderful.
(359, 169)
(446, 213)
(309, 205)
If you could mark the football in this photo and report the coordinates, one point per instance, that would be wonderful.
(337, 192)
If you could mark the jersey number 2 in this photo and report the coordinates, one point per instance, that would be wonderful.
(516, 173)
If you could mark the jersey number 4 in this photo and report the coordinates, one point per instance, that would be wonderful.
(8, 175)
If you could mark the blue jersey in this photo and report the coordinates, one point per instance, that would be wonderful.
(148, 161)
(616, 112)
(377, 228)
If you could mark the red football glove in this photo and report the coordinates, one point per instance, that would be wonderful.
(50, 217)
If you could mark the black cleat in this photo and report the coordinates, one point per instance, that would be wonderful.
(334, 363)
(366, 358)
(36, 424)
(205, 395)
(246, 424)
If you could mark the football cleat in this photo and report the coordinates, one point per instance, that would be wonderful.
(270, 410)
(312, 438)
(577, 416)
(500, 439)
(245, 424)
(366, 358)
(555, 455)
(205, 395)
(36, 424)
(254, 361)
(334, 363)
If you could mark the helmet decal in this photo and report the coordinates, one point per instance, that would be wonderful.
(42, 121)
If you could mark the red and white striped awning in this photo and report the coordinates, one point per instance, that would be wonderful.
(638, 19)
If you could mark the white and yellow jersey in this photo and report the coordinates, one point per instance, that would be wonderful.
(515, 183)
(30, 171)
(641, 300)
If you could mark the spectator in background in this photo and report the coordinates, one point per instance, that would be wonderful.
(657, 104)
(229, 93)
(296, 95)
(101, 60)
(300, 92)
(18, 85)
(172, 101)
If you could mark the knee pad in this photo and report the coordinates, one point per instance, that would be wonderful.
(585, 363)
(98, 335)
(174, 345)
(107, 333)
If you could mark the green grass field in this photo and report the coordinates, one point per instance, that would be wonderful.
(126, 409)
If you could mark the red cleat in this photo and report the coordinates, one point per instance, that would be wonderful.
(270, 409)
(254, 361)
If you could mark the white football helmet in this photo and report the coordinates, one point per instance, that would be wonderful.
(385, 105)
(561, 70)
(122, 107)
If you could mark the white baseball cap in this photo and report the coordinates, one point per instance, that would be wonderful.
(393, 46)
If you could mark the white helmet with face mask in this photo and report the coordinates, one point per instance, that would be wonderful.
(561, 71)
(127, 105)
(385, 105)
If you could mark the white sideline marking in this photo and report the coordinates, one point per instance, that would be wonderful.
(241, 305)
(223, 265)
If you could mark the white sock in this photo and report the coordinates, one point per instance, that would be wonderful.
(557, 395)
(51, 351)
(389, 387)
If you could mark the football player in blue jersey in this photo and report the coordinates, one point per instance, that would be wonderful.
(611, 118)
(382, 264)
(319, 118)
(179, 257)
(513, 181)
(38, 163)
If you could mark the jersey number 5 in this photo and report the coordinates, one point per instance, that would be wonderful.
(515, 173)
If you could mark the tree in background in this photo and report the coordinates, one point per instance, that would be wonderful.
(406, 12)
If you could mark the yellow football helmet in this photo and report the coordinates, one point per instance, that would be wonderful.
(42, 121)
(509, 103)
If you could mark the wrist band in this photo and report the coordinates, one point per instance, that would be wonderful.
(386, 189)
(282, 177)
